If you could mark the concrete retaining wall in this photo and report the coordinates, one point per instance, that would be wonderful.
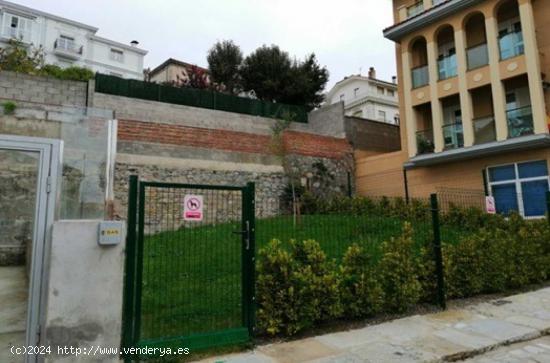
(84, 298)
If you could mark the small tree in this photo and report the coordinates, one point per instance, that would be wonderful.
(224, 61)
(17, 57)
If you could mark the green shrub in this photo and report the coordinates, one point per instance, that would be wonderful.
(464, 268)
(278, 300)
(72, 73)
(397, 271)
(319, 280)
(362, 295)
(9, 108)
(295, 289)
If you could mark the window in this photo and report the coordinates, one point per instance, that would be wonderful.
(391, 93)
(65, 42)
(117, 55)
(380, 90)
(342, 97)
(382, 115)
(17, 27)
(355, 92)
(520, 187)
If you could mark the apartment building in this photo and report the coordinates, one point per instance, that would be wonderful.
(367, 97)
(474, 97)
(66, 42)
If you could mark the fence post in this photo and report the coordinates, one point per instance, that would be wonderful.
(548, 206)
(437, 253)
(130, 265)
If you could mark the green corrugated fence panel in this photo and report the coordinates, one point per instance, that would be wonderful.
(196, 98)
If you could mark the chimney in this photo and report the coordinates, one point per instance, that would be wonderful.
(134, 43)
(372, 73)
(394, 79)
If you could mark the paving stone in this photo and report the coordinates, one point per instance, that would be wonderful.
(500, 330)
(298, 351)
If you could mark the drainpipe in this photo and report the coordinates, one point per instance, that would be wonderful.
(406, 181)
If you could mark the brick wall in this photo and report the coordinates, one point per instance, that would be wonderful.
(297, 142)
(22, 88)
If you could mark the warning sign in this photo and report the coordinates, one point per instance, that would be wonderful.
(490, 205)
(193, 208)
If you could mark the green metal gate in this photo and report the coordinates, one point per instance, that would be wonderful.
(189, 283)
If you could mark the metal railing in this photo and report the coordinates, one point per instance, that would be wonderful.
(511, 45)
(420, 76)
(67, 45)
(478, 56)
(453, 135)
(447, 67)
(484, 129)
(520, 121)
(425, 141)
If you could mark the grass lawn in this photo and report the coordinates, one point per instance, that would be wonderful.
(192, 276)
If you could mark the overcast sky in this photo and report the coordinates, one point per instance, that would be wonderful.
(346, 35)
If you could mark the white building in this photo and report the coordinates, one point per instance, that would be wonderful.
(367, 97)
(67, 42)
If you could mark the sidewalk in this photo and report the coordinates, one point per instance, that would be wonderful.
(451, 335)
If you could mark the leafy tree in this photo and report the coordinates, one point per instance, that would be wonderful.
(224, 61)
(196, 78)
(308, 80)
(275, 77)
(267, 72)
(17, 57)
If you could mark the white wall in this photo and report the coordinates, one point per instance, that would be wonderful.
(85, 286)
(96, 53)
(367, 101)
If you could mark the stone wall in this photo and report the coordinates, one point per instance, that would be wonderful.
(22, 88)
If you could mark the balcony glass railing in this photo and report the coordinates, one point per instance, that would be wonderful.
(453, 136)
(478, 56)
(511, 45)
(447, 67)
(415, 9)
(484, 129)
(425, 141)
(420, 76)
(520, 122)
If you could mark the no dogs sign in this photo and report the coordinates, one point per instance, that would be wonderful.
(193, 208)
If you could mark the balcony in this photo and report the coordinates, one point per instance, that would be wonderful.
(420, 76)
(415, 9)
(511, 45)
(484, 129)
(447, 67)
(453, 136)
(67, 48)
(478, 56)
(425, 141)
(520, 122)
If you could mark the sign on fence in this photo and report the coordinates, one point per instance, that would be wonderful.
(193, 208)
(490, 205)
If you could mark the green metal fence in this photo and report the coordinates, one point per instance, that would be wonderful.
(197, 98)
(189, 283)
